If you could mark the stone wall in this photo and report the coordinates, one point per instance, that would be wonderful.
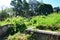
(43, 35)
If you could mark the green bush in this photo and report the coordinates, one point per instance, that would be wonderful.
(3, 15)
(18, 24)
(50, 22)
(20, 27)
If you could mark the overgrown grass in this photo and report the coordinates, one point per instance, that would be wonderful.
(50, 22)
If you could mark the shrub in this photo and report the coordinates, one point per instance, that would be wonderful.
(42, 27)
(3, 15)
(18, 24)
(50, 22)
(20, 27)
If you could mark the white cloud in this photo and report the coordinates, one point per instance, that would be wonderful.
(4, 3)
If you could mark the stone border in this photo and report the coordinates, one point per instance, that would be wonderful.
(43, 31)
(43, 34)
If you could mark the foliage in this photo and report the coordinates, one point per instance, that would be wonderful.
(22, 8)
(18, 24)
(44, 9)
(50, 22)
(56, 9)
(42, 22)
(17, 6)
(18, 36)
(25, 7)
(3, 14)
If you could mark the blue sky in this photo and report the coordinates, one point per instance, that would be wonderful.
(54, 3)
(6, 3)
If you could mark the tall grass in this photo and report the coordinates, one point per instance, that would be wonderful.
(46, 22)
(50, 22)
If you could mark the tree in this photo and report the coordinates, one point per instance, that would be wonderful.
(20, 7)
(3, 14)
(25, 7)
(32, 6)
(57, 9)
(44, 9)
(17, 6)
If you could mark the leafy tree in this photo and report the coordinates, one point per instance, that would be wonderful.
(17, 6)
(57, 9)
(25, 7)
(3, 14)
(44, 9)
(20, 7)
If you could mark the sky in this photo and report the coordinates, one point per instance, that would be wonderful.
(6, 3)
(54, 3)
